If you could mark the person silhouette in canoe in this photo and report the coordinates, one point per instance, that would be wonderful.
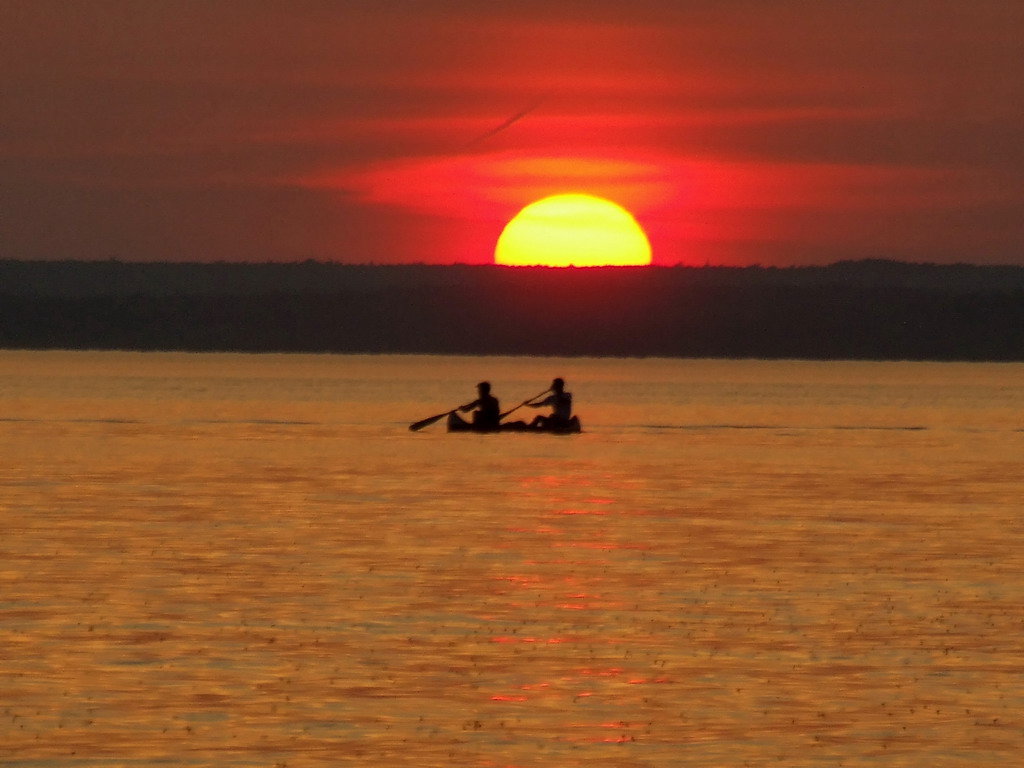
(487, 416)
(560, 402)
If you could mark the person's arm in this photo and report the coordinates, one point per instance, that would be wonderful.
(546, 401)
(469, 406)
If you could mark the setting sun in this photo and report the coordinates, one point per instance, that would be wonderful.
(573, 230)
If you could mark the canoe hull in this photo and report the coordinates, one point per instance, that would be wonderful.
(457, 424)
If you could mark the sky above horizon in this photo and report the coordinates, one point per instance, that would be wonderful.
(394, 131)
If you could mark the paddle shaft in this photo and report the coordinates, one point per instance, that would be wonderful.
(525, 402)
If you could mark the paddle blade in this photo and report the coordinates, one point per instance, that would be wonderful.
(427, 422)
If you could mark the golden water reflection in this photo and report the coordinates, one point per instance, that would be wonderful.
(255, 592)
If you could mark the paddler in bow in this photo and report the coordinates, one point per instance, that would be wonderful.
(560, 402)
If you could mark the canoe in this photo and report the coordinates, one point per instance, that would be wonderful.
(457, 424)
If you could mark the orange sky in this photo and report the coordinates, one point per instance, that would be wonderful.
(737, 131)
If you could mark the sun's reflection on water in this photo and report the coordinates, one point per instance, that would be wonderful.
(593, 666)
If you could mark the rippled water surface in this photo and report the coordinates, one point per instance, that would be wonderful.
(250, 561)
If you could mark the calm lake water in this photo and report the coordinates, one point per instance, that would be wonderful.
(240, 560)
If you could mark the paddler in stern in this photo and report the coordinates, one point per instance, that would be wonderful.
(487, 416)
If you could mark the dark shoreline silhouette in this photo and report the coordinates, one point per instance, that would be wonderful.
(850, 310)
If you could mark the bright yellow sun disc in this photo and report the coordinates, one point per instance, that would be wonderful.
(573, 230)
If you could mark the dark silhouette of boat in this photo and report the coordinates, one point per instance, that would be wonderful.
(457, 424)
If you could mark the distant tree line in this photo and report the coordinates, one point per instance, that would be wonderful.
(851, 310)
